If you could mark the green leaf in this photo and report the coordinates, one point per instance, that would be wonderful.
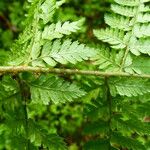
(59, 29)
(8, 87)
(50, 88)
(144, 8)
(40, 137)
(18, 142)
(142, 30)
(124, 10)
(130, 87)
(117, 21)
(107, 61)
(128, 2)
(47, 10)
(132, 126)
(126, 142)
(114, 37)
(36, 47)
(140, 46)
(66, 52)
(143, 18)
(140, 66)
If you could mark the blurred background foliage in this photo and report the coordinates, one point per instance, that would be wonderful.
(66, 119)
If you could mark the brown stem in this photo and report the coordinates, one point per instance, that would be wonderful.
(18, 69)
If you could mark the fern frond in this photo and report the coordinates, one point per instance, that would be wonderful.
(117, 21)
(144, 1)
(124, 10)
(19, 142)
(138, 65)
(42, 53)
(59, 29)
(96, 109)
(142, 30)
(34, 41)
(128, 2)
(140, 46)
(113, 37)
(130, 87)
(135, 111)
(144, 8)
(60, 2)
(47, 10)
(50, 88)
(66, 52)
(126, 142)
(131, 126)
(40, 137)
(43, 10)
(8, 87)
(129, 26)
(145, 107)
(4, 57)
(143, 18)
(16, 122)
(106, 60)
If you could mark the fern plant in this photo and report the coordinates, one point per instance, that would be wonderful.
(115, 95)
(128, 32)
(114, 119)
(42, 44)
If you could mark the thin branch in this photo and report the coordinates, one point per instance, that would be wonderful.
(18, 69)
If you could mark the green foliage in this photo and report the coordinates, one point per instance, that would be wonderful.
(58, 30)
(57, 52)
(117, 119)
(129, 30)
(48, 88)
(36, 42)
(8, 87)
(130, 87)
(114, 37)
(40, 44)
(106, 60)
(127, 142)
(38, 135)
(69, 111)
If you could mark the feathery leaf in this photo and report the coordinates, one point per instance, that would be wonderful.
(49, 88)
